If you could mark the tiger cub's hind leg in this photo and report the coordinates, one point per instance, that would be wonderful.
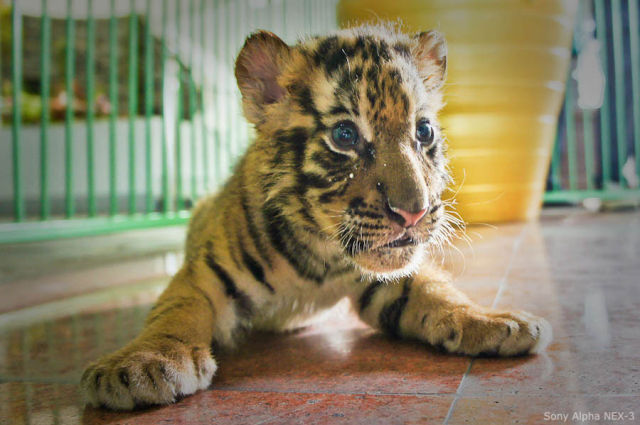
(170, 358)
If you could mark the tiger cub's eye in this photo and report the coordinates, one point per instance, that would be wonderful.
(424, 132)
(345, 135)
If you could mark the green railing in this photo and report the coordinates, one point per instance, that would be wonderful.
(121, 114)
(597, 150)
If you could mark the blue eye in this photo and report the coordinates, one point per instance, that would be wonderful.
(345, 134)
(424, 132)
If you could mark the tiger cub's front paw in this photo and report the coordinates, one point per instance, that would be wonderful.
(140, 376)
(493, 333)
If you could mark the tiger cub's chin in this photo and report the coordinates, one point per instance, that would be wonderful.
(390, 263)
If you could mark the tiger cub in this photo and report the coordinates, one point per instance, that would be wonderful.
(338, 196)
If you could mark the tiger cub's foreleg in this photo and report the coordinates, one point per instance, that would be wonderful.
(437, 313)
(172, 355)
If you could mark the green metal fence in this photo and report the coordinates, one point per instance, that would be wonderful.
(120, 114)
(597, 150)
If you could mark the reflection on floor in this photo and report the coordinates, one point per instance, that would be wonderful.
(578, 270)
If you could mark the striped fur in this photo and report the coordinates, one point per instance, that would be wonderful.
(307, 220)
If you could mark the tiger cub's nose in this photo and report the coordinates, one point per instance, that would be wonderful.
(410, 218)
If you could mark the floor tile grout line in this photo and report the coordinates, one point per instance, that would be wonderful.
(501, 286)
(503, 281)
(329, 392)
(458, 393)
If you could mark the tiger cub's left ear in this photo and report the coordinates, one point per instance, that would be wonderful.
(258, 66)
(430, 52)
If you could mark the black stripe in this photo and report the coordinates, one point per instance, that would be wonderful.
(405, 103)
(368, 214)
(338, 109)
(434, 208)
(330, 161)
(372, 97)
(367, 295)
(284, 240)
(309, 179)
(253, 231)
(204, 295)
(328, 196)
(395, 76)
(373, 73)
(243, 302)
(255, 268)
(372, 226)
(390, 315)
(304, 211)
(324, 47)
(403, 50)
(230, 237)
(338, 58)
(432, 150)
(301, 94)
(368, 153)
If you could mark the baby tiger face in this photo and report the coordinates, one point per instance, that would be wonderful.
(348, 128)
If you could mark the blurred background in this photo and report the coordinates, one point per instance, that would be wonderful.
(119, 114)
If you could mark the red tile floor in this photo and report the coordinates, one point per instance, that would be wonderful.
(579, 270)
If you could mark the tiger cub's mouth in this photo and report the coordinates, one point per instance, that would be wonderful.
(403, 241)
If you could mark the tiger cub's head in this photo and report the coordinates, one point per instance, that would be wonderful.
(347, 128)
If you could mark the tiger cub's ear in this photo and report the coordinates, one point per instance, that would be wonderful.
(258, 66)
(430, 52)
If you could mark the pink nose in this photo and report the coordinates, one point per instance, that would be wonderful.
(410, 219)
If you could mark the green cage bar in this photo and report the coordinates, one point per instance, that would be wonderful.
(192, 104)
(269, 22)
(229, 120)
(216, 50)
(222, 116)
(618, 66)
(91, 71)
(285, 32)
(178, 135)
(45, 88)
(556, 178)
(148, 109)
(113, 113)
(203, 126)
(69, 111)
(587, 132)
(133, 102)
(634, 44)
(308, 20)
(605, 123)
(163, 150)
(16, 124)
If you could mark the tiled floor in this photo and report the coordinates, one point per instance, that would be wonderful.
(579, 270)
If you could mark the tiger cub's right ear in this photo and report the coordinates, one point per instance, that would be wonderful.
(258, 67)
(430, 52)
